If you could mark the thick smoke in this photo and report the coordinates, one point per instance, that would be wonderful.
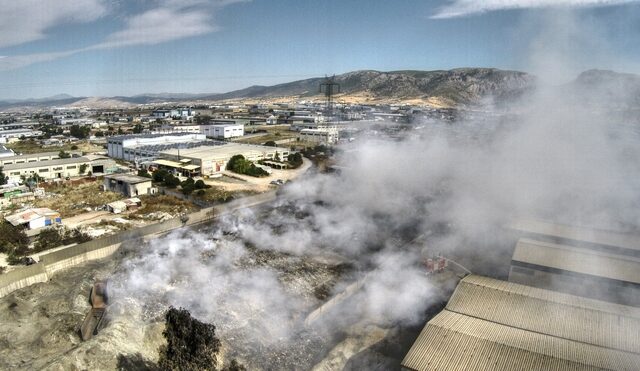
(450, 187)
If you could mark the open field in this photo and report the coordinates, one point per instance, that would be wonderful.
(274, 133)
(28, 146)
(73, 198)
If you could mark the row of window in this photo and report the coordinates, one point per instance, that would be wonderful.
(30, 160)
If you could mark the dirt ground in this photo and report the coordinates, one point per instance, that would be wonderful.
(73, 199)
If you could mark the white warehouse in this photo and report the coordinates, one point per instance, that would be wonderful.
(222, 131)
(146, 146)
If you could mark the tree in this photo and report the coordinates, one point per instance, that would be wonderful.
(63, 154)
(276, 157)
(200, 184)
(270, 143)
(74, 147)
(144, 173)
(3, 178)
(188, 186)
(99, 134)
(82, 169)
(79, 132)
(191, 344)
(159, 175)
(171, 181)
(138, 128)
(13, 240)
(295, 159)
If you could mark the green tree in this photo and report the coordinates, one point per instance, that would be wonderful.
(295, 159)
(191, 345)
(13, 240)
(82, 169)
(276, 157)
(74, 147)
(171, 181)
(79, 132)
(138, 128)
(159, 175)
(270, 143)
(63, 154)
(200, 184)
(144, 173)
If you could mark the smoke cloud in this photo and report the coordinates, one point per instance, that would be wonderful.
(446, 188)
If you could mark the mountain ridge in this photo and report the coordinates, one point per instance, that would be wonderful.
(452, 88)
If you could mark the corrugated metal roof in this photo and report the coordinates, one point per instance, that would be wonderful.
(600, 237)
(549, 312)
(575, 259)
(452, 341)
(28, 215)
(492, 324)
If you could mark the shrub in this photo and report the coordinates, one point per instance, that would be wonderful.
(191, 344)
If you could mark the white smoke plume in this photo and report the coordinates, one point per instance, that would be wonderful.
(455, 185)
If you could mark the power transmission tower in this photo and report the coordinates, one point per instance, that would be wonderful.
(329, 87)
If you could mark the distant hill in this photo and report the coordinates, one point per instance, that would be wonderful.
(604, 87)
(458, 86)
(461, 86)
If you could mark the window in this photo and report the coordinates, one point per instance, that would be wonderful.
(45, 170)
(71, 167)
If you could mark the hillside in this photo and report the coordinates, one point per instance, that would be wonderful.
(453, 87)
(457, 87)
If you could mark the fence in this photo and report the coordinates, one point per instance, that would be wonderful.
(105, 246)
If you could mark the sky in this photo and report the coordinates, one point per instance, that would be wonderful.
(117, 47)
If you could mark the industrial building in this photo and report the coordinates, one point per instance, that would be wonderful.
(324, 136)
(490, 324)
(577, 270)
(222, 131)
(35, 157)
(34, 218)
(144, 147)
(129, 185)
(60, 168)
(210, 160)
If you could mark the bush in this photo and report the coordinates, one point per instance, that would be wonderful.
(270, 143)
(159, 175)
(191, 344)
(295, 159)
(144, 173)
(238, 164)
(59, 236)
(171, 181)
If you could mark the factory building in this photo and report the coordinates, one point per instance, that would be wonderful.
(210, 160)
(60, 168)
(577, 270)
(129, 185)
(222, 131)
(12, 135)
(35, 157)
(490, 324)
(143, 147)
(596, 263)
(323, 136)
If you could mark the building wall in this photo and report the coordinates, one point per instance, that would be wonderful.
(127, 189)
(125, 148)
(47, 172)
(222, 131)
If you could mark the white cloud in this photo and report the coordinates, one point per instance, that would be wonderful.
(28, 20)
(167, 20)
(461, 8)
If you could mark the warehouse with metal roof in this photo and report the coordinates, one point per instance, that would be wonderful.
(581, 271)
(590, 238)
(490, 324)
